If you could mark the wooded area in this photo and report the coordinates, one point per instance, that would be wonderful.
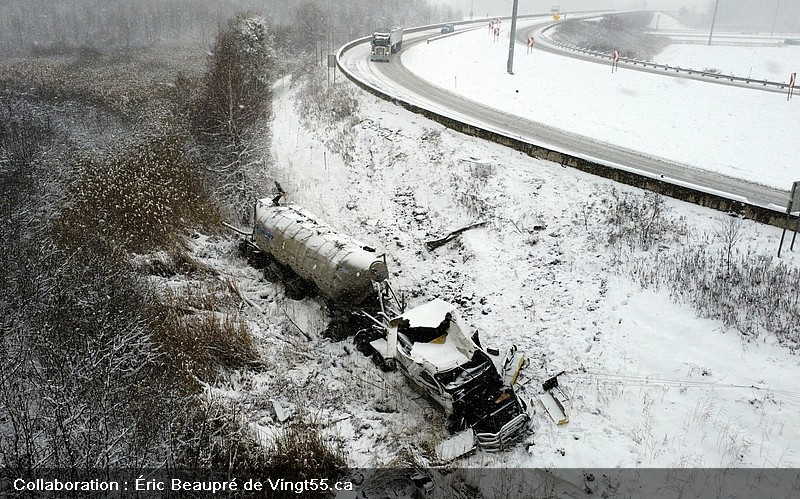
(53, 26)
(126, 129)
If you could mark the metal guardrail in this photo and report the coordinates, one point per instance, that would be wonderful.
(664, 67)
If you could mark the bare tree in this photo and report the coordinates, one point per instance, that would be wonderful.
(233, 107)
(729, 231)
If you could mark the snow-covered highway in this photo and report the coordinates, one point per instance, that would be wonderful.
(511, 106)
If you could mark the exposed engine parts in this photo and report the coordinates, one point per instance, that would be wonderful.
(431, 346)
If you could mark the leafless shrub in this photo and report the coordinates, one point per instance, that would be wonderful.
(471, 192)
(230, 114)
(640, 220)
(77, 362)
(214, 435)
(330, 107)
(627, 33)
(729, 231)
(236, 87)
(392, 478)
(745, 291)
(322, 104)
(175, 261)
(86, 377)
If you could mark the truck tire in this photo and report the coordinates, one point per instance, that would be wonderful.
(362, 341)
(386, 365)
(338, 329)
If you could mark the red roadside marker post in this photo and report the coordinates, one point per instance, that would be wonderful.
(615, 61)
(792, 78)
(530, 44)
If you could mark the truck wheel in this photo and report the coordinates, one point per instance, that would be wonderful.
(338, 329)
(389, 365)
(296, 288)
(456, 423)
(386, 365)
(362, 342)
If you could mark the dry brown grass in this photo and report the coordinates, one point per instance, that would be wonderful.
(197, 337)
(143, 199)
(301, 449)
(201, 344)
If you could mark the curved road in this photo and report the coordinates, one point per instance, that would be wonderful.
(394, 79)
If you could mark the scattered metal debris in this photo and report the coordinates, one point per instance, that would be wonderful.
(432, 245)
(554, 400)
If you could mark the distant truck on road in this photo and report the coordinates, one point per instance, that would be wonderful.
(385, 42)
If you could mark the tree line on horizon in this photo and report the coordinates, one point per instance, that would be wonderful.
(51, 27)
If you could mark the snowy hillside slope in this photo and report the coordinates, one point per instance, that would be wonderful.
(651, 384)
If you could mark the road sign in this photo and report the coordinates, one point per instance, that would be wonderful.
(794, 205)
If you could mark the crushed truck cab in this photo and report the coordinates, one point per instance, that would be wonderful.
(431, 346)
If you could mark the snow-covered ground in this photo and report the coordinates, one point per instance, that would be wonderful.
(767, 58)
(741, 133)
(765, 63)
(651, 384)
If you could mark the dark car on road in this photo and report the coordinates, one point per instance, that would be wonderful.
(448, 28)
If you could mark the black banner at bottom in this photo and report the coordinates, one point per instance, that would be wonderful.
(383, 483)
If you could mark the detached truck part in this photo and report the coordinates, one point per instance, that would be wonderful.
(385, 42)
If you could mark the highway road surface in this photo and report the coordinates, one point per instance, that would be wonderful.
(395, 80)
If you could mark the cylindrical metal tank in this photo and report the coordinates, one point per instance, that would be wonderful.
(341, 267)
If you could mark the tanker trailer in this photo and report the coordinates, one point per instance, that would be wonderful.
(342, 268)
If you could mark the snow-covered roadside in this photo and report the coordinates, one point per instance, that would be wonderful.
(651, 384)
(766, 59)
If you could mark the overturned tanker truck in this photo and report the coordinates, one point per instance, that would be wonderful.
(429, 343)
(343, 270)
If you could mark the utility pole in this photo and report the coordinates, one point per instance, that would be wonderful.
(512, 36)
(471, 9)
(774, 18)
(713, 20)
